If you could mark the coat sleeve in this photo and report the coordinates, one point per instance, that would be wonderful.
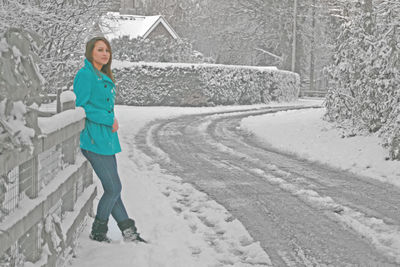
(83, 84)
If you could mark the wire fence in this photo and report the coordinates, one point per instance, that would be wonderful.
(50, 163)
(9, 192)
(26, 178)
(40, 228)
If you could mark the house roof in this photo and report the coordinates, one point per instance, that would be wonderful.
(116, 25)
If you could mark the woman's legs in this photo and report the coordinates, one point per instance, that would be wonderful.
(105, 166)
(110, 203)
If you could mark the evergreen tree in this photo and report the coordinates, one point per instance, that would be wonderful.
(365, 97)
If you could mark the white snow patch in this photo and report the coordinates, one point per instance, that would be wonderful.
(303, 132)
(117, 64)
(67, 96)
(51, 124)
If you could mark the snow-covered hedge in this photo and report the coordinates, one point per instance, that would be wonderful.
(180, 84)
(366, 72)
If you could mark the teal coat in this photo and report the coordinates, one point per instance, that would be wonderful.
(95, 92)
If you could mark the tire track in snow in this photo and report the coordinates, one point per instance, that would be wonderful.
(227, 236)
(384, 236)
(213, 142)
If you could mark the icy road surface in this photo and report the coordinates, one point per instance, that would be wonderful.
(303, 214)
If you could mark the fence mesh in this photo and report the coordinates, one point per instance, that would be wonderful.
(50, 163)
(9, 192)
(26, 178)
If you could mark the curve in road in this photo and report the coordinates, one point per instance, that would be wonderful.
(303, 213)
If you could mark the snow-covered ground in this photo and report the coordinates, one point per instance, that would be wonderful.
(151, 195)
(305, 134)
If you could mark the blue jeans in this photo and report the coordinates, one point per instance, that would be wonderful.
(105, 166)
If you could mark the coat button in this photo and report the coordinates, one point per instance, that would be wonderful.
(108, 99)
(105, 86)
(109, 111)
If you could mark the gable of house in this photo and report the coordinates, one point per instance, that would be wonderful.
(159, 30)
(116, 25)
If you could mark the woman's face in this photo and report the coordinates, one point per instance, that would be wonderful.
(101, 54)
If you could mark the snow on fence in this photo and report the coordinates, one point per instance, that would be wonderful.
(45, 195)
(187, 84)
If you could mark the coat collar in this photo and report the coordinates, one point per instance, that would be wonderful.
(90, 66)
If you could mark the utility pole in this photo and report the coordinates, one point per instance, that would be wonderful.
(312, 52)
(294, 35)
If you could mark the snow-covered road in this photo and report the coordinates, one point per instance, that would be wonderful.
(302, 213)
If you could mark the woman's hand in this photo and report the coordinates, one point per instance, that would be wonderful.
(115, 126)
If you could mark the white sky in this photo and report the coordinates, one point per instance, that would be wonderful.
(183, 239)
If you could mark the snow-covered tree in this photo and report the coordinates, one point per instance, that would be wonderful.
(209, 25)
(255, 32)
(365, 95)
(64, 26)
(40, 45)
(157, 49)
(20, 84)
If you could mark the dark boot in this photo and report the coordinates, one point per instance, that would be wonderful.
(129, 231)
(99, 231)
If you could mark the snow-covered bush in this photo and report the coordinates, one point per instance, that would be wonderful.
(366, 71)
(156, 49)
(177, 84)
(20, 84)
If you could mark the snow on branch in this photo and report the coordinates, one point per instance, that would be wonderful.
(269, 53)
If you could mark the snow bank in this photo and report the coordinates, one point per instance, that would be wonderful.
(307, 135)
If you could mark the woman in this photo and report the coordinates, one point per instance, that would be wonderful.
(95, 92)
